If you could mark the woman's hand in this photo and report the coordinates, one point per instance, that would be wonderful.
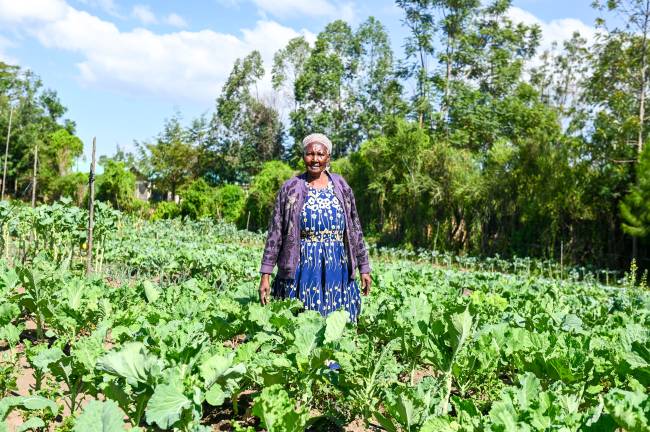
(265, 289)
(366, 281)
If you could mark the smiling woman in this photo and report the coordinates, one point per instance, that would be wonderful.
(315, 238)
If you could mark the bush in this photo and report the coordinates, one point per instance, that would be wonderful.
(71, 186)
(117, 186)
(230, 201)
(261, 197)
(198, 200)
(166, 210)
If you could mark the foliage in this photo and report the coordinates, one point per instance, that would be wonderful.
(248, 131)
(37, 119)
(169, 161)
(116, 185)
(198, 200)
(69, 186)
(635, 207)
(172, 325)
(166, 210)
(262, 194)
(230, 201)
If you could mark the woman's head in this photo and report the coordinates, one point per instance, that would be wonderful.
(316, 153)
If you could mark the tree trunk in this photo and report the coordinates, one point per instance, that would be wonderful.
(4, 170)
(91, 212)
(34, 176)
(642, 90)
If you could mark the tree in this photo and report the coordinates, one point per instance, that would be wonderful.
(116, 185)
(288, 64)
(261, 197)
(635, 207)
(419, 48)
(37, 119)
(169, 161)
(347, 87)
(244, 131)
(635, 30)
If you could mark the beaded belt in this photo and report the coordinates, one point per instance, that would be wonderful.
(324, 235)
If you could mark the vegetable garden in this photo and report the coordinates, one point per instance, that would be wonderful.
(168, 334)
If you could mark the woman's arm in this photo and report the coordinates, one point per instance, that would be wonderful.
(273, 236)
(363, 261)
(271, 249)
(361, 253)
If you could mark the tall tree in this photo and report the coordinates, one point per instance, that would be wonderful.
(169, 161)
(635, 207)
(244, 130)
(419, 49)
(347, 87)
(635, 30)
(288, 64)
(37, 119)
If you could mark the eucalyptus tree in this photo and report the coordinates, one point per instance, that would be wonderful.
(288, 64)
(37, 117)
(347, 86)
(632, 39)
(168, 161)
(244, 131)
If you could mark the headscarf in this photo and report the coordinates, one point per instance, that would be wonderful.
(317, 138)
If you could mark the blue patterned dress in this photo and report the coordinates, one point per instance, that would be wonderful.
(322, 281)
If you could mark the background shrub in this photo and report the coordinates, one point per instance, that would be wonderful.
(230, 200)
(261, 196)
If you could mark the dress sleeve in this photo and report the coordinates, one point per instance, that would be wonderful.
(273, 236)
(362, 254)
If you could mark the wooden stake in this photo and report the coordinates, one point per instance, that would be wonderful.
(34, 176)
(91, 212)
(4, 170)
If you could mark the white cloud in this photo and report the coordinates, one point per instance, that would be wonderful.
(107, 6)
(4, 57)
(144, 14)
(289, 8)
(174, 66)
(176, 20)
(557, 30)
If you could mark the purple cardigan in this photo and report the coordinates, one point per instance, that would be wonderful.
(283, 238)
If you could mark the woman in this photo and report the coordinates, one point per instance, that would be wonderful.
(315, 238)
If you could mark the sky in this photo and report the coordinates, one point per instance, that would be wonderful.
(122, 67)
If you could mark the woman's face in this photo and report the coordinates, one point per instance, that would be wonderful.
(316, 158)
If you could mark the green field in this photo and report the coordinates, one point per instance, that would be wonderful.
(168, 334)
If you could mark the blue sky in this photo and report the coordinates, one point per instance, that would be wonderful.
(123, 66)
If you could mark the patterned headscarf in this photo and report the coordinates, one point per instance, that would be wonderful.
(317, 138)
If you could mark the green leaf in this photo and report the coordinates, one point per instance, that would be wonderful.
(100, 416)
(166, 406)
(132, 362)
(629, 408)
(439, 424)
(462, 325)
(34, 423)
(335, 325)
(151, 291)
(215, 396)
(278, 411)
(220, 367)
(32, 402)
(46, 357)
(215, 366)
(308, 334)
(8, 312)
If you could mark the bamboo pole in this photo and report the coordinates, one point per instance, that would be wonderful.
(34, 176)
(91, 212)
(4, 170)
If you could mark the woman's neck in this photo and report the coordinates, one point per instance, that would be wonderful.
(320, 179)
